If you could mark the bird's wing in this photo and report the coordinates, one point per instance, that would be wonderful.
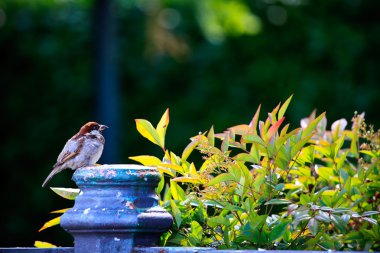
(70, 150)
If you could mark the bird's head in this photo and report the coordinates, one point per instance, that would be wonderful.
(92, 126)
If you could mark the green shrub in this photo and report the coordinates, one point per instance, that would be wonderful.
(263, 186)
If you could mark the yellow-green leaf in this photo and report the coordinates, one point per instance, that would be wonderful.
(161, 128)
(176, 191)
(221, 178)
(166, 170)
(284, 107)
(146, 129)
(50, 223)
(39, 244)
(146, 160)
(189, 149)
(211, 136)
(174, 167)
(188, 179)
(312, 125)
(176, 213)
(67, 193)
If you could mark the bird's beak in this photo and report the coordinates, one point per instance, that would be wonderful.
(102, 127)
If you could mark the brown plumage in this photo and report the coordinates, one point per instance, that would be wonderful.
(83, 149)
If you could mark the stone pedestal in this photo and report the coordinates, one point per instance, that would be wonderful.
(116, 210)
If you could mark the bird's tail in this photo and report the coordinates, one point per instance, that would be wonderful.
(56, 169)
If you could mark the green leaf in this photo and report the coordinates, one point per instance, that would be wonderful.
(338, 223)
(283, 108)
(160, 185)
(189, 149)
(221, 178)
(245, 158)
(211, 136)
(312, 125)
(146, 129)
(253, 138)
(368, 213)
(279, 187)
(370, 220)
(323, 216)
(313, 226)
(196, 230)
(176, 191)
(146, 160)
(338, 145)
(299, 145)
(218, 220)
(176, 213)
(161, 128)
(278, 202)
(67, 193)
(278, 231)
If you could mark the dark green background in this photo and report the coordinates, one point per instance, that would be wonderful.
(326, 54)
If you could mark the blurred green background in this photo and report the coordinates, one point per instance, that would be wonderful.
(212, 62)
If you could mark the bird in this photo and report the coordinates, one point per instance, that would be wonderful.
(81, 150)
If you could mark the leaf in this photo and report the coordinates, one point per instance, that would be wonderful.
(146, 160)
(60, 211)
(279, 187)
(196, 229)
(161, 128)
(339, 144)
(174, 167)
(240, 129)
(67, 193)
(221, 178)
(50, 223)
(211, 136)
(176, 191)
(166, 170)
(176, 213)
(323, 216)
(146, 129)
(218, 220)
(253, 138)
(370, 220)
(368, 213)
(273, 129)
(312, 125)
(299, 145)
(278, 231)
(160, 185)
(278, 202)
(255, 120)
(338, 223)
(187, 179)
(225, 142)
(283, 108)
(313, 226)
(245, 158)
(189, 149)
(39, 244)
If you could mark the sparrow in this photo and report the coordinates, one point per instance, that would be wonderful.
(83, 149)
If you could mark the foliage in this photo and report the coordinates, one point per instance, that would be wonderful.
(67, 193)
(323, 51)
(262, 185)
